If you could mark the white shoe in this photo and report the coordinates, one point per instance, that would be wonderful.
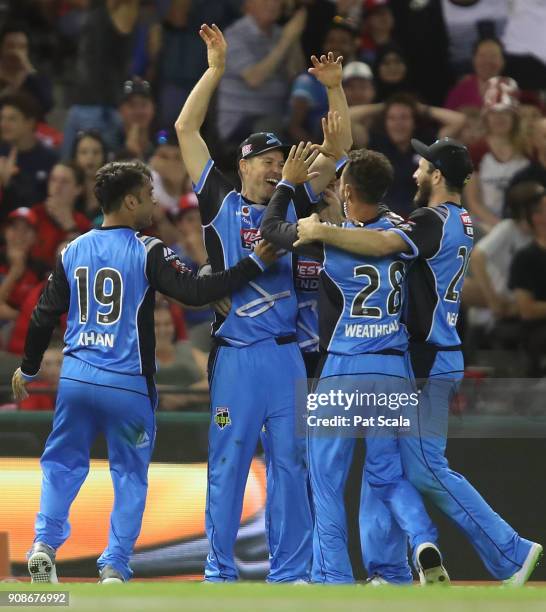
(109, 575)
(41, 563)
(376, 581)
(429, 565)
(522, 575)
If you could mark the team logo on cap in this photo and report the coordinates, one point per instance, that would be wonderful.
(222, 418)
(246, 150)
(272, 139)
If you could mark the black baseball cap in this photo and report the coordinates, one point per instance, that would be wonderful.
(259, 143)
(450, 157)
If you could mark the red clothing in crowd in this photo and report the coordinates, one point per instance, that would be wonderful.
(50, 235)
(16, 342)
(37, 400)
(33, 275)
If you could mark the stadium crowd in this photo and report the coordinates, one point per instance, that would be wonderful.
(87, 81)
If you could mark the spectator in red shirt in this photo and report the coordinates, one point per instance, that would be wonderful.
(488, 62)
(57, 218)
(19, 272)
(16, 343)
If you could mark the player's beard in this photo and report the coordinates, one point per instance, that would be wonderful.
(424, 191)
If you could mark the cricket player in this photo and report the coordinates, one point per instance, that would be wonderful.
(106, 281)
(438, 239)
(255, 344)
(367, 292)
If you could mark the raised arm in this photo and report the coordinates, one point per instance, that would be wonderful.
(451, 122)
(195, 152)
(329, 72)
(256, 74)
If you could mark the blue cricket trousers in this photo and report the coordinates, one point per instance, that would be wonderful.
(330, 459)
(251, 387)
(501, 549)
(91, 401)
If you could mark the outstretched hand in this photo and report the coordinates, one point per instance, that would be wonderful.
(296, 165)
(327, 70)
(332, 145)
(216, 45)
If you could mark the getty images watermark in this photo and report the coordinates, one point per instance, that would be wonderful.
(356, 406)
(362, 409)
(382, 405)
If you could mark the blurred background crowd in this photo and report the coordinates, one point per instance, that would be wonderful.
(87, 81)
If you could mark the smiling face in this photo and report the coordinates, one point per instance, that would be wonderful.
(260, 174)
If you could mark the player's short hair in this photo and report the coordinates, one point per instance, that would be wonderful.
(370, 173)
(116, 180)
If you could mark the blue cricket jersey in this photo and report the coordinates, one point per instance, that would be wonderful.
(106, 281)
(369, 293)
(268, 306)
(441, 240)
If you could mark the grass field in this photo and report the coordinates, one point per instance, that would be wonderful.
(254, 597)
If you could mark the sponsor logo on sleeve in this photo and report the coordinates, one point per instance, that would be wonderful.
(173, 260)
(468, 228)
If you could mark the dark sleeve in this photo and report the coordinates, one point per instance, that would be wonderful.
(53, 302)
(522, 274)
(281, 233)
(211, 189)
(305, 200)
(422, 232)
(167, 274)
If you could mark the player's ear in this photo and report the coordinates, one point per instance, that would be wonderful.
(130, 201)
(242, 167)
